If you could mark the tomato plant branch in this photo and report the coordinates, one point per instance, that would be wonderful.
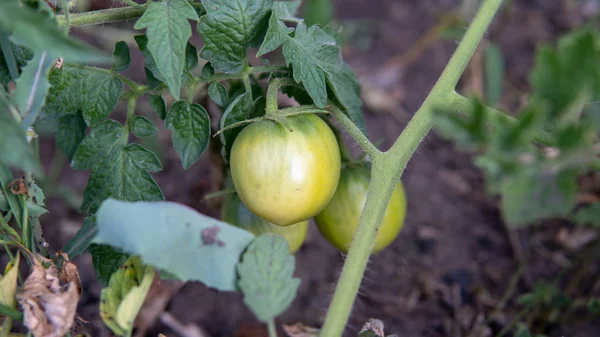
(388, 167)
(354, 131)
(271, 327)
(102, 16)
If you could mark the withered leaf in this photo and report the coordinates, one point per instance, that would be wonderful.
(300, 330)
(48, 307)
(69, 272)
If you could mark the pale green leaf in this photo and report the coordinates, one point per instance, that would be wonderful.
(32, 87)
(266, 276)
(122, 299)
(8, 284)
(344, 85)
(531, 195)
(168, 31)
(183, 242)
(229, 28)
(76, 88)
(40, 32)
(15, 149)
(190, 131)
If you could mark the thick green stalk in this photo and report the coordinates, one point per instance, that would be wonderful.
(102, 16)
(387, 169)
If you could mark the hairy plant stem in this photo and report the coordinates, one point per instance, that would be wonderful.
(387, 168)
(271, 327)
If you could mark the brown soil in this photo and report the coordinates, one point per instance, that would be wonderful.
(451, 262)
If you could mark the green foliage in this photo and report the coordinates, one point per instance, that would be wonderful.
(589, 215)
(534, 161)
(594, 306)
(316, 61)
(190, 130)
(240, 109)
(32, 87)
(40, 33)
(107, 261)
(168, 31)
(121, 301)
(92, 91)
(157, 103)
(121, 56)
(119, 170)
(183, 242)
(143, 127)
(544, 295)
(241, 23)
(218, 93)
(14, 147)
(70, 132)
(82, 239)
(266, 276)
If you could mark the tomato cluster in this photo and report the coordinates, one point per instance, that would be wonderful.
(286, 172)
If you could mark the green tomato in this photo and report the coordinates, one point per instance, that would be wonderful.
(338, 222)
(286, 174)
(237, 214)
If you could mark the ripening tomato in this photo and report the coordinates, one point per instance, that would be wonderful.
(286, 174)
(237, 214)
(339, 220)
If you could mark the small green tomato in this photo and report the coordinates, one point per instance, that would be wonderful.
(339, 220)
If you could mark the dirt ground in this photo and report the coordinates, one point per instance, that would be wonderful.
(453, 259)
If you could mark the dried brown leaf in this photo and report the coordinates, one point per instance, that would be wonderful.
(48, 307)
(69, 272)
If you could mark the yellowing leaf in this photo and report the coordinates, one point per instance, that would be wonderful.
(8, 284)
(122, 299)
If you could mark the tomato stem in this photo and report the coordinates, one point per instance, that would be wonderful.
(387, 168)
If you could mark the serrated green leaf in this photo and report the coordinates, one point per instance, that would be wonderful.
(106, 260)
(123, 298)
(183, 242)
(344, 85)
(82, 239)
(149, 63)
(242, 23)
(118, 170)
(287, 10)
(168, 31)
(568, 76)
(40, 32)
(121, 57)
(469, 132)
(240, 109)
(532, 195)
(277, 34)
(8, 284)
(494, 74)
(157, 103)
(35, 201)
(312, 53)
(190, 131)
(76, 88)
(218, 93)
(32, 87)
(266, 276)
(15, 149)
(71, 131)
(589, 215)
(143, 127)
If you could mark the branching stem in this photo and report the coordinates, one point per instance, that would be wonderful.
(387, 168)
